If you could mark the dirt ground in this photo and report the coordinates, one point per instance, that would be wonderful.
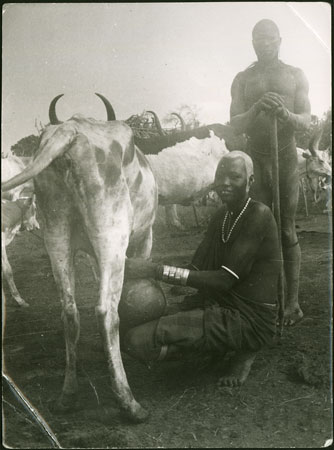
(286, 401)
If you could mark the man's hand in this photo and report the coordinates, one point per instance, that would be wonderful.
(270, 101)
(274, 104)
(282, 113)
(139, 268)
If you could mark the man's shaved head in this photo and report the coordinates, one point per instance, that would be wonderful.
(266, 41)
(265, 25)
(238, 154)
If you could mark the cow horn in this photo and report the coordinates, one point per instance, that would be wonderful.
(157, 123)
(52, 111)
(315, 139)
(183, 124)
(110, 111)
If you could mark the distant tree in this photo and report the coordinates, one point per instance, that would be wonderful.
(26, 146)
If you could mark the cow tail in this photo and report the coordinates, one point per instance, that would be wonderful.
(55, 146)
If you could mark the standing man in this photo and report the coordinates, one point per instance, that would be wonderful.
(270, 87)
(235, 270)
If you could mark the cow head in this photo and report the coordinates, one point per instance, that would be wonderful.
(318, 168)
(232, 140)
(29, 217)
(318, 185)
(27, 206)
(30, 222)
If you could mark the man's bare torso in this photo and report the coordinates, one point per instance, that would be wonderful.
(255, 82)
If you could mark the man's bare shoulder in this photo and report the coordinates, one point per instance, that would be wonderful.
(244, 74)
(295, 71)
(253, 70)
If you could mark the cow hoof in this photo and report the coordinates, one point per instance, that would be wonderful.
(140, 415)
(22, 303)
(66, 403)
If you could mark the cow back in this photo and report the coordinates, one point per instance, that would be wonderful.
(101, 164)
(187, 170)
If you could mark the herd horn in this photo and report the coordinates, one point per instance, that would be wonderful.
(52, 111)
(315, 139)
(183, 124)
(110, 111)
(157, 123)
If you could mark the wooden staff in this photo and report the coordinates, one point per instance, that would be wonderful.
(277, 213)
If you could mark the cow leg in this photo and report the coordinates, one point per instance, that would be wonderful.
(61, 255)
(195, 215)
(111, 259)
(303, 189)
(140, 247)
(329, 199)
(92, 265)
(172, 218)
(8, 275)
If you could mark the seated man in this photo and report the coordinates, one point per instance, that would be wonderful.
(235, 270)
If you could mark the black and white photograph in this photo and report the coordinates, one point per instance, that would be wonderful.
(166, 225)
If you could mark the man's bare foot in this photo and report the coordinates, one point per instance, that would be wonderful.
(292, 315)
(239, 370)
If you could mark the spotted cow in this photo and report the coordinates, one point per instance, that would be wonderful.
(97, 193)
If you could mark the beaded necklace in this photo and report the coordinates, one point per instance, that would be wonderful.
(235, 222)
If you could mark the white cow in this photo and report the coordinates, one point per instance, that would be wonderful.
(15, 216)
(18, 212)
(315, 169)
(11, 165)
(184, 162)
(185, 172)
(97, 193)
(187, 157)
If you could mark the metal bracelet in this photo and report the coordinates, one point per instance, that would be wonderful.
(174, 275)
(171, 275)
(178, 275)
(165, 273)
(184, 277)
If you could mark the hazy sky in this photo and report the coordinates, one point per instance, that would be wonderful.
(147, 56)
